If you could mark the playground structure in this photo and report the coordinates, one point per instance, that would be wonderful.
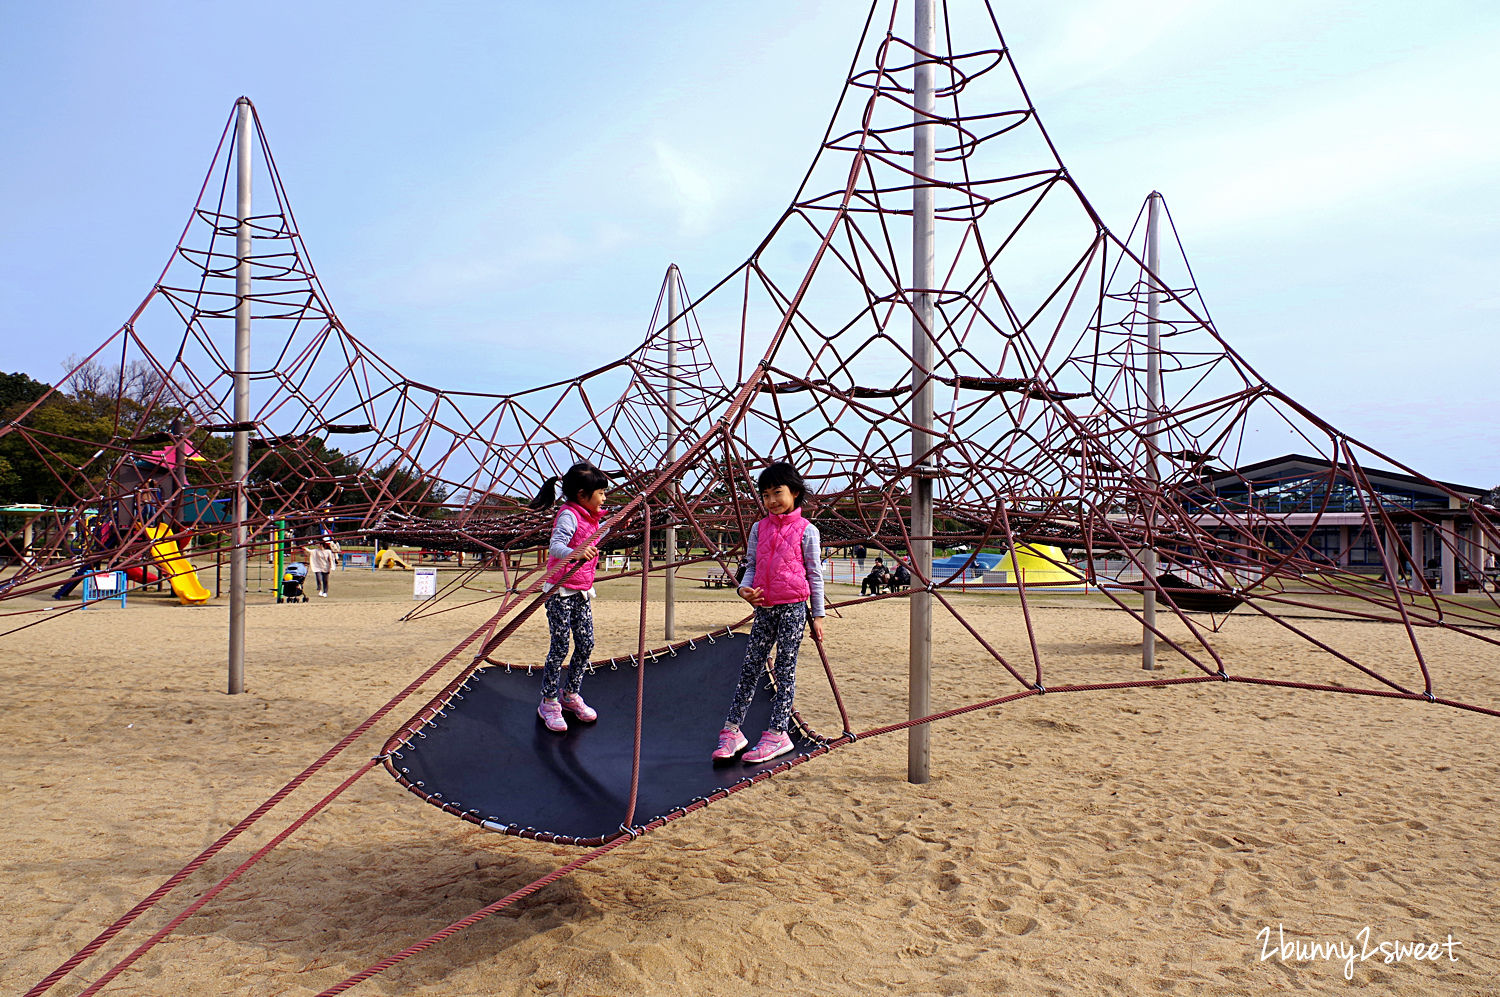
(1077, 413)
(136, 513)
(182, 576)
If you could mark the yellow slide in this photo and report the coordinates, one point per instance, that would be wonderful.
(178, 569)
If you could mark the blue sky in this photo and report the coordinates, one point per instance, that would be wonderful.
(491, 191)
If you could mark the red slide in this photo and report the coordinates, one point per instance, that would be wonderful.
(142, 576)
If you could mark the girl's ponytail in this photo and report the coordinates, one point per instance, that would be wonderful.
(580, 479)
(547, 495)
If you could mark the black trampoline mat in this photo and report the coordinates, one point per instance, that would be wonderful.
(489, 755)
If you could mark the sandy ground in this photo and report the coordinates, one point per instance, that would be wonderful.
(1129, 842)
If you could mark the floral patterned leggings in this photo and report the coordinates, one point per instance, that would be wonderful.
(783, 626)
(567, 614)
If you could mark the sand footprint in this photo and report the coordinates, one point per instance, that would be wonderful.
(1019, 924)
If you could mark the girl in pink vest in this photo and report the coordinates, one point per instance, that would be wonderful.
(783, 576)
(571, 558)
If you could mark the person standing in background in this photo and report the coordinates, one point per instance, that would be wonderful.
(321, 558)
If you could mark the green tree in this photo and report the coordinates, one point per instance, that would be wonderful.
(50, 454)
(301, 476)
(402, 489)
(134, 394)
(9, 479)
(18, 390)
(53, 456)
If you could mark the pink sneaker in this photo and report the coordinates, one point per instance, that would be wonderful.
(574, 704)
(551, 713)
(731, 743)
(773, 744)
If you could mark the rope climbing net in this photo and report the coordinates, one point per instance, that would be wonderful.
(1059, 427)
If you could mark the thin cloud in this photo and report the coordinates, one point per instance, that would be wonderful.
(1096, 40)
(1346, 145)
(689, 188)
(526, 259)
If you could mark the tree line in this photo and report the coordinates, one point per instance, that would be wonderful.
(100, 412)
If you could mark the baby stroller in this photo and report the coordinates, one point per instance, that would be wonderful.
(292, 579)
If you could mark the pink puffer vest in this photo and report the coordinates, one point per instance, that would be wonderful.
(779, 570)
(588, 527)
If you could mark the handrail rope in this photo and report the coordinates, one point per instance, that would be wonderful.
(743, 403)
(957, 711)
(832, 683)
(632, 833)
(219, 887)
(500, 636)
(1421, 697)
(640, 673)
(476, 917)
(177, 878)
(1036, 654)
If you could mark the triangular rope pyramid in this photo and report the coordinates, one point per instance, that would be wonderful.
(1044, 433)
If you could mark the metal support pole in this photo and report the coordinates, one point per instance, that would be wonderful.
(1447, 535)
(1418, 554)
(1153, 410)
(919, 674)
(674, 306)
(238, 575)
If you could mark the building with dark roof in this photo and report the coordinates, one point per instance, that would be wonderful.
(1325, 510)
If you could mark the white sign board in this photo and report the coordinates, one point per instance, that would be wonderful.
(423, 583)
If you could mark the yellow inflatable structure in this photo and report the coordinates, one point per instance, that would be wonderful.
(390, 559)
(1038, 564)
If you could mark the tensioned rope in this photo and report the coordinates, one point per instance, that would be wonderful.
(631, 834)
(1018, 439)
(176, 879)
(848, 738)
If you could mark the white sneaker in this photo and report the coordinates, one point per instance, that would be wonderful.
(323, 594)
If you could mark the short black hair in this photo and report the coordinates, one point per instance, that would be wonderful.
(580, 479)
(782, 473)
